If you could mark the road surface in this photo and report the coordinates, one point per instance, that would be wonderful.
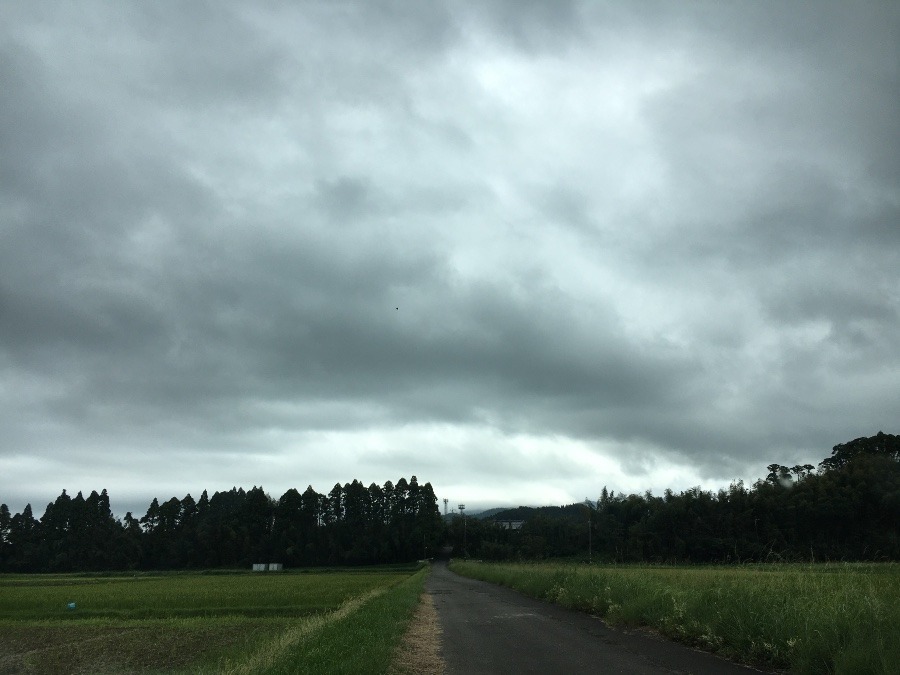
(489, 629)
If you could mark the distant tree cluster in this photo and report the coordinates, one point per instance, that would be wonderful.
(847, 510)
(351, 525)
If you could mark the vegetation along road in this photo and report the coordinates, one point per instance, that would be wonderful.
(491, 629)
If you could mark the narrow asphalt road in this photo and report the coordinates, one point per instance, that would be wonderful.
(489, 629)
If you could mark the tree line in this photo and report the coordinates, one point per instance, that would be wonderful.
(351, 525)
(847, 509)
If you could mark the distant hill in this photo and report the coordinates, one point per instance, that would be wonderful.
(490, 513)
(480, 515)
(549, 512)
(518, 513)
(524, 512)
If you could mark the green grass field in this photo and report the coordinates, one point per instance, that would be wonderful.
(234, 623)
(828, 618)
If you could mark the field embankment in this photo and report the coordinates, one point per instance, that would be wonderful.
(338, 621)
(839, 618)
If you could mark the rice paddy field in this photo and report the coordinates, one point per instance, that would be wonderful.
(346, 621)
(822, 618)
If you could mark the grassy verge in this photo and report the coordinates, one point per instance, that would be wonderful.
(361, 637)
(808, 618)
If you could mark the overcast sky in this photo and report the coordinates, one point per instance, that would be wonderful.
(521, 250)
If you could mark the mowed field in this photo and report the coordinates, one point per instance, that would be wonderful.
(825, 618)
(292, 622)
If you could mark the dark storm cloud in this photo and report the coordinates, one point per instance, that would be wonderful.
(651, 234)
(533, 25)
(209, 55)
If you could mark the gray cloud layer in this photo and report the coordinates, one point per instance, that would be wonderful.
(489, 243)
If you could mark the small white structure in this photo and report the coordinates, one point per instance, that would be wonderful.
(511, 524)
(271, 567)
(275, 567)
(259, 567)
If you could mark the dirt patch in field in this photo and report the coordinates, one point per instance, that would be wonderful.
(420, 650)
(49, 650)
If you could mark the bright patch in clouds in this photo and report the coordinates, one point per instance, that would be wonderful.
(521, 251)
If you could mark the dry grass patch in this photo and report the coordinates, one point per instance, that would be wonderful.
(420, 650)
(48, 650)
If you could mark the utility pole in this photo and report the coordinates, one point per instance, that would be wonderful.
(587, 505)
(462, 510)
(590, 547)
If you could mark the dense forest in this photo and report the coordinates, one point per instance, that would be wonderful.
(847, 509)
(351, 525)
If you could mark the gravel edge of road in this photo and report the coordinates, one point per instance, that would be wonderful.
(420, 648)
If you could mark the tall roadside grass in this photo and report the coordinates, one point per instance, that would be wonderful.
(832, 618)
